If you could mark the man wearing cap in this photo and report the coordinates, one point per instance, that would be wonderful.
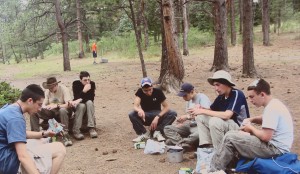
(84, 94)
(148, 112)
(274, 138)
(185, 132)
(57, 104)
(226, 113)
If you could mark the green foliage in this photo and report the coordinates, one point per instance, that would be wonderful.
(8, 94)
(198, 38)
(200, 17)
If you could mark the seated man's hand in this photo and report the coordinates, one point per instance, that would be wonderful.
(182, 118)
(49, 133)
(141, 114)
(154, 123)
(50, 106)
(247, 128)
(195, 111)
(87, 87)
(246, 121)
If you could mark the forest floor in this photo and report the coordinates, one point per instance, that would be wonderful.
(117, 82)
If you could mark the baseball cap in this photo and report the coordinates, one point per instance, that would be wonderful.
(185, 89)
(146, 81)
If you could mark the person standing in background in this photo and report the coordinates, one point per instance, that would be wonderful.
(94, 50)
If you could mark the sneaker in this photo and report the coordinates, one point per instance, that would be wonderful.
(169, 142)
(158, 136)
(66, 140)
(93, 133)
(78, 136)
(142, 137)
(95, 63)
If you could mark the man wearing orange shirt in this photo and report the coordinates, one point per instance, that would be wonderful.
(94, 49)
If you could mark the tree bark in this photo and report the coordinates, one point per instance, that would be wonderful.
(145, 25)
(278, 20)
(164, 54)
(241, 15)
(232, 20)
(221, 54)
(185, 28)
(79, 32)
(63, 32)
(138, 40)
(248, 59)
(265, 22)
(86, 35)
(173, 78)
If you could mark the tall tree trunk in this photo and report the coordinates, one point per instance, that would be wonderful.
(40, 50)
(164, 54)
(138, 40)
(172, 80)
(139, 19)
(248, 59)
(86, 35)
(3, 52)
(64, 39)
(265, 22)
(278, 20)
(241, 15)
(79, 32)
(145, 24)
(185, 28)
(232, 21)
(221, 54)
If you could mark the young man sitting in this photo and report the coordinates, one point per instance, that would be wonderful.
(274, 138)
(147, 111)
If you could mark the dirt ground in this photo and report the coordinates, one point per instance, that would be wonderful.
(116, 84)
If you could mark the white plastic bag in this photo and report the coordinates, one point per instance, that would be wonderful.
(204, 156)
(154, 147)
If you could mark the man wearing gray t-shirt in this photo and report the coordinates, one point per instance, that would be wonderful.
(184, 132)
(274, 138)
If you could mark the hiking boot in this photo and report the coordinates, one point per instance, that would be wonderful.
(93, 133)
(158, 136)
(78, 136)
(142, 137)
(66, 140)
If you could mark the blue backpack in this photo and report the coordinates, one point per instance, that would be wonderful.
(284, 164)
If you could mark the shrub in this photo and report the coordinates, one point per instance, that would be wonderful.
(8, 94)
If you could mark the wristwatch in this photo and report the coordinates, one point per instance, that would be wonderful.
(159, 116)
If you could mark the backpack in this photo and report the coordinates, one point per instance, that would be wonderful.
(287, 163)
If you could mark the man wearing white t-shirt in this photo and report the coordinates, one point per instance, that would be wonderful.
(274, 138)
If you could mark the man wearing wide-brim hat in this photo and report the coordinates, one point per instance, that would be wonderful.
(226, 113)
(57, 104)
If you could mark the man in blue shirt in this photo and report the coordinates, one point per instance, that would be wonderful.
(13, 135)
(226, 113)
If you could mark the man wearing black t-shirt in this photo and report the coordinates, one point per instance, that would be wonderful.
(148, 112)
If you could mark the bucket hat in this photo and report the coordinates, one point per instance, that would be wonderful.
(221, 74)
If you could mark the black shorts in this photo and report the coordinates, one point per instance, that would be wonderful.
(94, 54)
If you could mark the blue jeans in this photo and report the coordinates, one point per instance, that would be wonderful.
(138, 124)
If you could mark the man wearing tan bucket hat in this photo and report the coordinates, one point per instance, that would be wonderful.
(226, 113)
(57, 104)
